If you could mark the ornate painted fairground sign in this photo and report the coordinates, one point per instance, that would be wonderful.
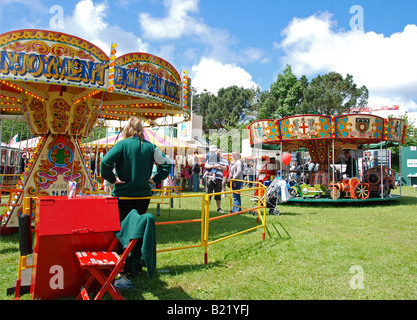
(317, 133)
(60, 84)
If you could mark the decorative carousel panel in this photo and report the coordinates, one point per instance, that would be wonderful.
(36, 116)
(145, 75)
(40, 56)
(320, 150)
(57, 160)
(264, 131)
(58, 115)
(394, 130)
(359, 126)
(306, 127)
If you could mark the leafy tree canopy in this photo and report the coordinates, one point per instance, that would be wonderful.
(230, 108)
(9, 128)
(333, 95)
(330, 94)
(284, 96)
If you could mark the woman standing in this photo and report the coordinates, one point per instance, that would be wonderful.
(133, 159)
(236, 172)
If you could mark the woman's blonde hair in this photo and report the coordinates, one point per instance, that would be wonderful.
(133, 127)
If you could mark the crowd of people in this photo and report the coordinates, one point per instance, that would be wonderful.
(119, 169)
(193, 176)
(214, 175)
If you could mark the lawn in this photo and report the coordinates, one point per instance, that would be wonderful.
(310, 252)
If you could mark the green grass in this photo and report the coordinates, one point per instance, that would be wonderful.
(307, 253)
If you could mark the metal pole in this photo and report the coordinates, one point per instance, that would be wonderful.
(399, 159)
(333, 161)
(382, 174)
(280, 164)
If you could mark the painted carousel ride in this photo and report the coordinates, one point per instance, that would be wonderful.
(60, 85)
(327, 139)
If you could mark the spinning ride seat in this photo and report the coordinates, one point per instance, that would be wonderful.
(351, 188)
(361, 191)
(305, 190)
(373, 177)
(338, 188)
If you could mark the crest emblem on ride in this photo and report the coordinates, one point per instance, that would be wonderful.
(362, 124)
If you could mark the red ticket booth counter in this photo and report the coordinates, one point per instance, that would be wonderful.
(62, 227)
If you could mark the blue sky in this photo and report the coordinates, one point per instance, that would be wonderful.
(247, 43)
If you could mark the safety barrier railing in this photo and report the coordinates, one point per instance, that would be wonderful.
(260, 209)
(257, 196)
(260, 215)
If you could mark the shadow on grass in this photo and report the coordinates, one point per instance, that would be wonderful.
(285, 235)
(158, 288)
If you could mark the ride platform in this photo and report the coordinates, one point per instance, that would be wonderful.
(392, 197)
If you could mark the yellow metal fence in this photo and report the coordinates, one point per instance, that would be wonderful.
(258, 189)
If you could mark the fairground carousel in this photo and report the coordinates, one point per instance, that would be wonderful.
(329, 142)
(61, 85)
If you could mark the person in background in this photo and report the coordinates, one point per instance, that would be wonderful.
(350, 170)
(215, 185)
(293, 171)
(236, 172)
(188, 176)
(196, 175)
(211, 159)
(311, 165)
(226, 180)
(23, 161)
(251, 173)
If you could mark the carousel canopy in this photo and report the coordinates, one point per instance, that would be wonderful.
(355, 129)
(321, 133)
(61, 84)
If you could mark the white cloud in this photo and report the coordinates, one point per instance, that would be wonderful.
(212, 75)
(386, 65)
(88, 21)
(181, 22)
(177, 22)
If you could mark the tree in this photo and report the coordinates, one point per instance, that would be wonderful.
(333, 95)
(9, 128)
(283, 97)
(229, 109)
(410, 138)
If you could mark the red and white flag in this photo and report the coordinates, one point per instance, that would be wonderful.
(14, 139)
